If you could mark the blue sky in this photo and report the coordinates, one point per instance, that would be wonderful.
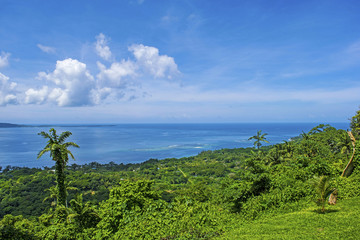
(179, 61)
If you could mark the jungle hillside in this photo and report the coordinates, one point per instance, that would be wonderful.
(305, 188)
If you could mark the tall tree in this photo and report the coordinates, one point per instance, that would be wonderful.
(59, 152)
(344, 143)
(258, 139)
(355, 125)
(354, 135)
(350, 166)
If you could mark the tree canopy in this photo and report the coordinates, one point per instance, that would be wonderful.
(58, 149)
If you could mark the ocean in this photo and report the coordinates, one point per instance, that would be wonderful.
(135, 143)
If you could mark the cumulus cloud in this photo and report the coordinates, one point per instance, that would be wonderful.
(122, 78)
(101, 47)
(113, 81)
(71, 83)
(74, 85)
(159, 66)
(46, 49)
(7, 91)
(4, 59)
(117, 73)
(33, 96)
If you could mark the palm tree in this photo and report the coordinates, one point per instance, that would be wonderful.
(53, 195)
(323, 190)
(83, 213)
(355, 125)
(319, 128)
(289, 148)
(350, 166)
(57, 147)
(305, 135)
(344, 143)
(258, 139)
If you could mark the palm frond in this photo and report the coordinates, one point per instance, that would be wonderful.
(44, 134)
(71, 155)
(45, 150)
(63, 136)
(55, 147)
(53, 133)
(72, 144)
(323, 189)
(71, 188)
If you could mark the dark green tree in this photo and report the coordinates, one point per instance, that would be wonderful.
(355, 125)
(258, 139)
(84, 214)
(344, 143)
(59, 152)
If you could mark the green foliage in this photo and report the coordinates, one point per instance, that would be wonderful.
(231, 194)
(258, 139)
(199, 192)
(199, 197)
(84, 214)
(134, 211)
(348, 187)
(16, 227)
(355, 125)
(59, 152)
(323, 189)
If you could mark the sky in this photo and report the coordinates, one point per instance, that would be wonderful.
(179, 61)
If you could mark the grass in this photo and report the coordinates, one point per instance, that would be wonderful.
(341, 221)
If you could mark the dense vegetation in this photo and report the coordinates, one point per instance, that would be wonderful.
(216, 194)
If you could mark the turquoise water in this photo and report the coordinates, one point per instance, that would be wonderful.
(134, 143)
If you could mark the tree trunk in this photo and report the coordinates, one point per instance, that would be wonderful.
(60, 178)
(350, 166)
(333, 197)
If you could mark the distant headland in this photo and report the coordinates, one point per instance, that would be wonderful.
(10, 125)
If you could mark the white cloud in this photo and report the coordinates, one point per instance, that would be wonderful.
(33, 96)
(7, 91)
(46, 49)
(4, 59)
(74, 85)
(101, 47)
(122, 79)
(116, 75)
(102, 93)
(115, 80)
(159, 66)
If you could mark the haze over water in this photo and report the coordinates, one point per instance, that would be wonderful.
(134, 143)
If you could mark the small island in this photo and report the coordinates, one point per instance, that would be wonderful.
(10, 125)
